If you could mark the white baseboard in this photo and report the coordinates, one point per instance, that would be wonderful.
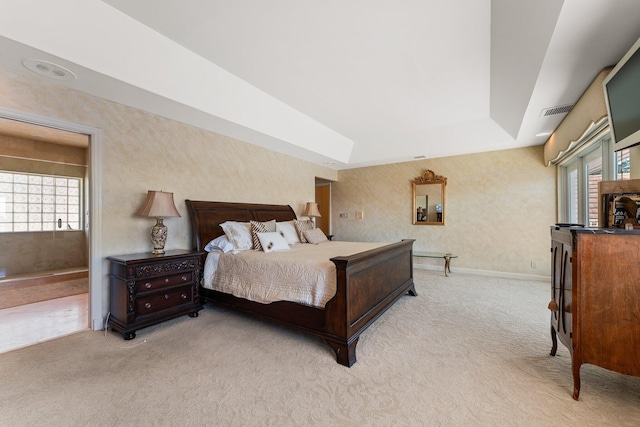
(489, 273)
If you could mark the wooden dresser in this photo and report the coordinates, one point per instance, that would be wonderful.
(147, 289)
(595, 305)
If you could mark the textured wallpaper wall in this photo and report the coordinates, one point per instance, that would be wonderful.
(498, 209)
(142, 151)
(498, 205)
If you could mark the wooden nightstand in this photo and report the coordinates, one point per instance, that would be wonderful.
(147, 289)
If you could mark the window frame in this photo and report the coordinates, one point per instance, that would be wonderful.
(597, 144)
(34, 207)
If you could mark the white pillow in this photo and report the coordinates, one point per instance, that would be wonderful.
(315, 236)
(239, 234)
(273, 241)
(219, 244)
(288, 230)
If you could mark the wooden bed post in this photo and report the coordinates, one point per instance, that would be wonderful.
(345, 354)
(367, 284)
(336, 322)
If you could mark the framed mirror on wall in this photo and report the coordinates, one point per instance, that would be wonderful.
(428, 199)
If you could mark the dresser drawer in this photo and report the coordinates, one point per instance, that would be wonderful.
(158, 283)
(153, 303)
(165, 267)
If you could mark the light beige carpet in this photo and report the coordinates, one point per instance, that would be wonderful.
(468, 351)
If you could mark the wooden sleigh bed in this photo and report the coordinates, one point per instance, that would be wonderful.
(368, 283)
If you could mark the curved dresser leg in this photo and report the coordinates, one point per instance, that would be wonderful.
(575, 366)
(554, 342)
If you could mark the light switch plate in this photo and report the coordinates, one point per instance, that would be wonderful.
(359, 214)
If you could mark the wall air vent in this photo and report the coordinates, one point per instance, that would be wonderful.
(419, 157)
(562, 109)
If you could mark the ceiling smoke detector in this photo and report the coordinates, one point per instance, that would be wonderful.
(49, 69)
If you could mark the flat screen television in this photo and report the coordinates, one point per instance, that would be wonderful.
(622, 96)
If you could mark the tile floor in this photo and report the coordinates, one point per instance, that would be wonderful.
(30, 324)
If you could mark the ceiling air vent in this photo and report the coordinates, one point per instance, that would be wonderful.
(562, 109)
(49, 69)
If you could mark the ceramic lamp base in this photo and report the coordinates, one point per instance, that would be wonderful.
(158, 237)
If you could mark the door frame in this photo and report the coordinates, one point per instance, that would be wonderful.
(324, 203)
(96, 300)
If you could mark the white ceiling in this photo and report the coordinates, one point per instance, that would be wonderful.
(346, 83)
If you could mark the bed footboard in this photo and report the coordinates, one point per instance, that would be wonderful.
(368, 284)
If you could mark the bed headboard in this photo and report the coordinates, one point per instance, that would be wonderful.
(206, 217)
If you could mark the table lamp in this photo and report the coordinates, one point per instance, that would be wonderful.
(159, 205)
(312, 211)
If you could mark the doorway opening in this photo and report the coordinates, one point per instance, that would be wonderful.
(45, 195)
(323, 199)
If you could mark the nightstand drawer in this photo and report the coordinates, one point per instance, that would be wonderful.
(160, 301)
(157, 283)
(165, 267)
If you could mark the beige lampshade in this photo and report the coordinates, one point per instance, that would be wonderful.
(158, 204)
(312, 210)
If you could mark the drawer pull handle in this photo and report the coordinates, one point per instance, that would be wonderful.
(147, 285)
(166, 296)
(184, 296)
(166, 280)
(147, 305)
(184, 278)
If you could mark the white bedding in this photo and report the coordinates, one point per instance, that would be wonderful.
(303, 274)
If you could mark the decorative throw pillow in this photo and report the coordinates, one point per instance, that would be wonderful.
(272, 241)
(315, 236)
(301, 226)
(239, 234)
(288, 230)
(261, 227)
(219, 244)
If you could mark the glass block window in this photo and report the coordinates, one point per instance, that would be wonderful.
(30, 202)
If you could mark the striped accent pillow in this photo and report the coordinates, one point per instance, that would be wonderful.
(302, 226)
(261, 227)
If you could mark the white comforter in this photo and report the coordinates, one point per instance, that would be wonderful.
(303, 274)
